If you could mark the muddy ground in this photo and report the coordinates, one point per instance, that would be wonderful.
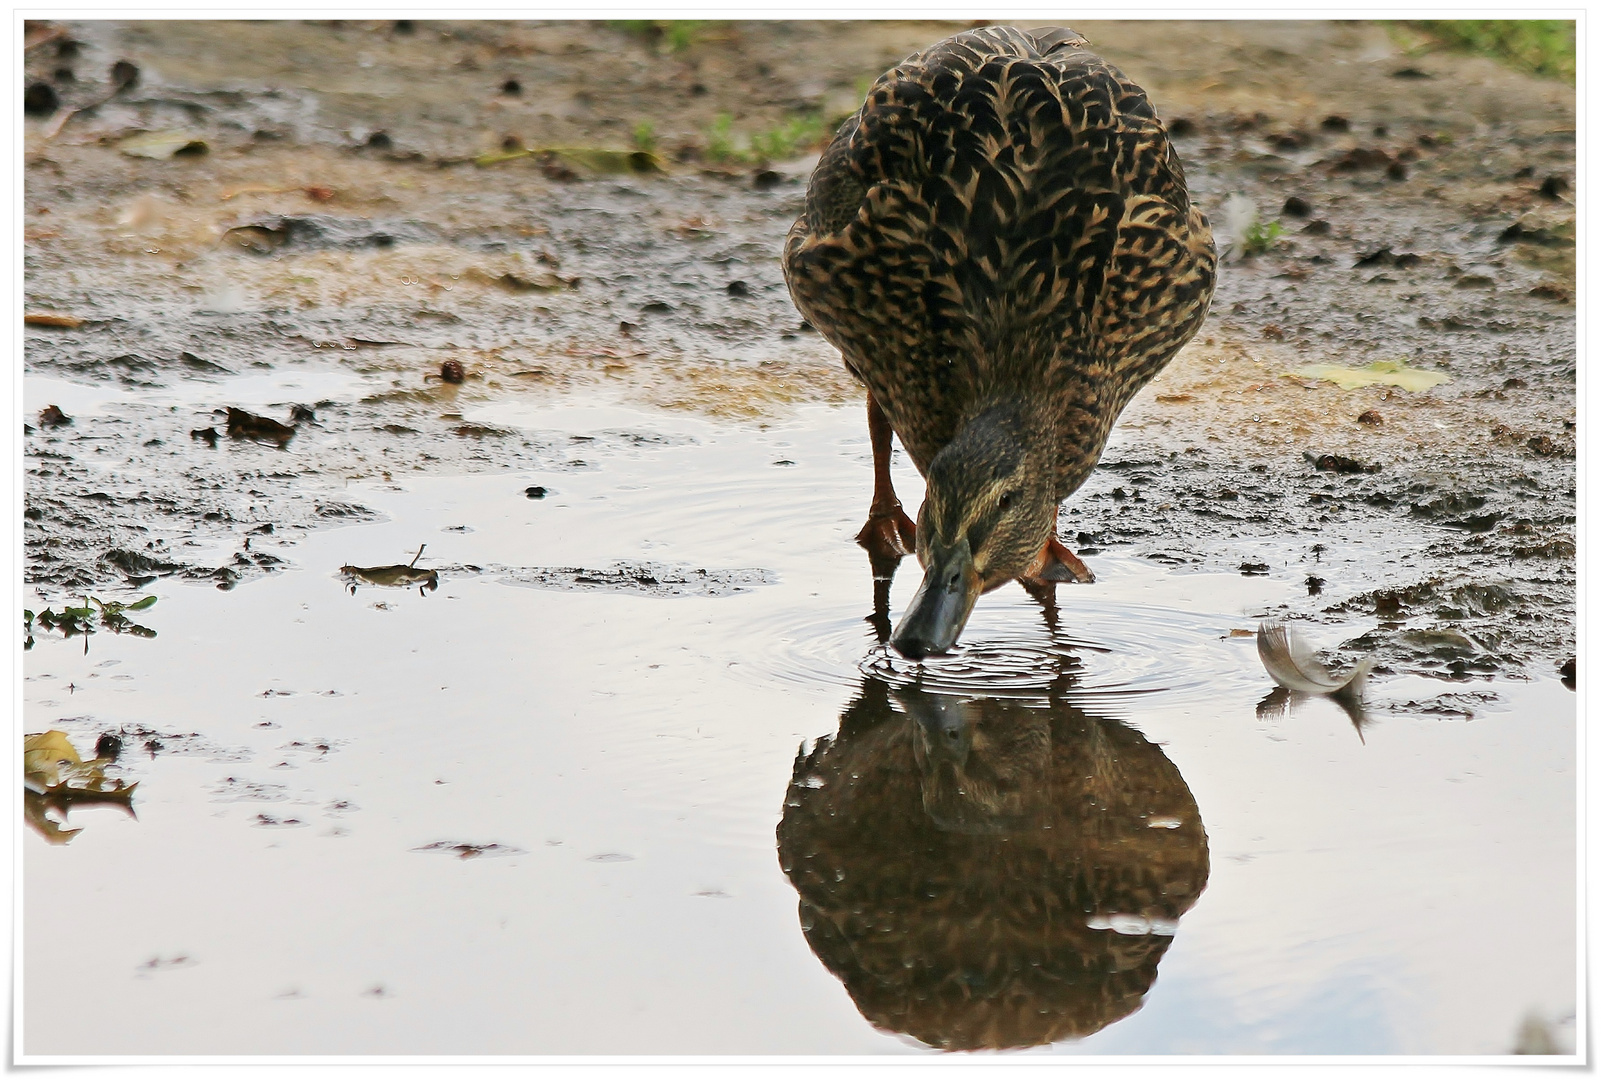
(331, 218)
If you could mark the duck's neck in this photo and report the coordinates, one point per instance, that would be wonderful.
(1066, 441)
(1004, 424)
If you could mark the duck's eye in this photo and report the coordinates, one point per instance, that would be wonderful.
(1007, 499)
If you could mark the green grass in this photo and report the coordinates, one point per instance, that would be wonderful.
(786, 140)
(1259, 237)
(789, 138)
(1544, 47)
(720, 140)
(670, 35)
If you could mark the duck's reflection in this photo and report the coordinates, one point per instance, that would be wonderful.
(989, 872)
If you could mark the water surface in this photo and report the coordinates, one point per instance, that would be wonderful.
(638, 778)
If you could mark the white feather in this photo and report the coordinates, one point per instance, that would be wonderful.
(1234, 225)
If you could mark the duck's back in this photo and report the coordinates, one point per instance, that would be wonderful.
(1004, 214)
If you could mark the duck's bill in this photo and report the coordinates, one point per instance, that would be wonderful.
(938, 612)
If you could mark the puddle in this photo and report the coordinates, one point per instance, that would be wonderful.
(622, 766)
(543, 820)
(267, 390)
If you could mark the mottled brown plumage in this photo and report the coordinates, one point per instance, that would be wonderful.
(1002, 247)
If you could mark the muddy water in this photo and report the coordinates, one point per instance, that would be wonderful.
(528, 813)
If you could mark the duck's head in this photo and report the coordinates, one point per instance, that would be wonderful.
(989, 510)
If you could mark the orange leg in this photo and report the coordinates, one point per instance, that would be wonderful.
(889, 533)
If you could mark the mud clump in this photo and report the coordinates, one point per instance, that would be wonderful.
(651, 579)
(246, 425)
(1340, 464)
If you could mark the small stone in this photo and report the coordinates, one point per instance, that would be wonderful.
(40, 99)
(534, 492)
(1554, 187)
(124, 75)
(1371, 417)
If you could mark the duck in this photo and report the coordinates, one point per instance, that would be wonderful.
(1001, 244)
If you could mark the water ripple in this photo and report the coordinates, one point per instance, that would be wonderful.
(1010, 650)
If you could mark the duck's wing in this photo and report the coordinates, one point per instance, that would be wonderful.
(1005, 208)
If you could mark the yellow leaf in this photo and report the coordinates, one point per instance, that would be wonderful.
(161, 145)
(43, 757)
(1380, 373)
(45, 318)
(51, 766)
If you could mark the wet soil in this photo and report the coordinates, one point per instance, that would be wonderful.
(1426, 220)
(591, 386)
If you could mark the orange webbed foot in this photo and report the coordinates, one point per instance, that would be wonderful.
(889, 534)
(1056, 563)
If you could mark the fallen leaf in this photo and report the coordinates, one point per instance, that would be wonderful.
(45, 757)
(397, 576)
(54, 778)
(161, 145)
(43, 318)
(1378, 373)
(540, 281)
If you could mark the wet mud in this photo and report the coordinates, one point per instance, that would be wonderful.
(474, 416)
(1426, 220)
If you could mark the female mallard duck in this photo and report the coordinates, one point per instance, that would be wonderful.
(1001, 246)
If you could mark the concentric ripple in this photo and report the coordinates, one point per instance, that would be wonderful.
(1009, 649)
